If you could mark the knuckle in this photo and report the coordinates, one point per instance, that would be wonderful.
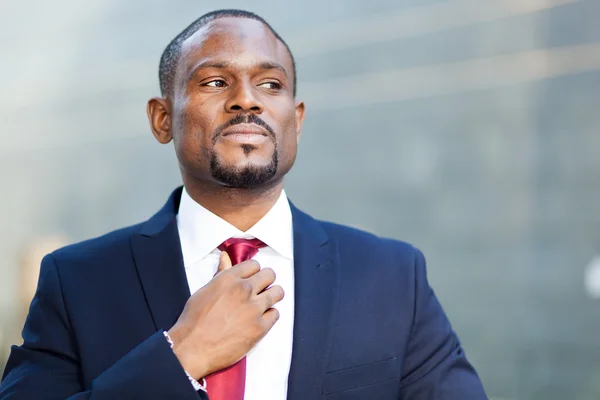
(270, 273)
(224, 274)
(258, 312)
(275, 314)
(270, 319)
(224, 278)
(265, 325)
(278, 293)
(245, 288)
(273, 298)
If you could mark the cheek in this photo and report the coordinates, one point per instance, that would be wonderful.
(191, 134)
(194, 125)
(289, 140)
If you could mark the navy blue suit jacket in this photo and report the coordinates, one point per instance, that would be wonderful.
(367, 324)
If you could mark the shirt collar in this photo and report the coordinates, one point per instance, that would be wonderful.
(201, 231)
(275, 228)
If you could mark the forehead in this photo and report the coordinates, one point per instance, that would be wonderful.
(240, 41)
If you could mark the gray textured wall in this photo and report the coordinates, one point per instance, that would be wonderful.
(470, 129)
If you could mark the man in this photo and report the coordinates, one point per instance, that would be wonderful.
(309, 309)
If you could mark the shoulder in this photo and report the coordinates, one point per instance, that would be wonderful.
(361, 244)
(117, 244)
(109, 245)
(81, 269)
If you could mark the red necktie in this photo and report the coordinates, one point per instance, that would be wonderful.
(229, 383)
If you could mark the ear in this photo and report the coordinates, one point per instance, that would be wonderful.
(299, 119)
(159, 116)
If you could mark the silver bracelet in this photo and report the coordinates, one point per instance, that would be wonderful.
(197, 385)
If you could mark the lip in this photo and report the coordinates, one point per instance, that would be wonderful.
(246, 134)
(245, 129)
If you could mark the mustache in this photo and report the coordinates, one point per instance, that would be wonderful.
(243, 119)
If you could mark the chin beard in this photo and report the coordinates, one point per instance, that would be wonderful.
(248, 177)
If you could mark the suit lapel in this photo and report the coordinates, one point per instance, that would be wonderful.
(159, 262)
(316, 275)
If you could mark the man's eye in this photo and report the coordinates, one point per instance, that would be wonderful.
(271, 85)
(216, 83)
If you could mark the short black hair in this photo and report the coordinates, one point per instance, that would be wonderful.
(170, 56)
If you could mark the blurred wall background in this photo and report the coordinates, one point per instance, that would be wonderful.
(470, 129)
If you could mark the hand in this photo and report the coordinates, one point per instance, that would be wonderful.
(223, 320)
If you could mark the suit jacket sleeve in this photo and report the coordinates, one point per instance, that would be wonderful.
(435, 366)
(47, 365)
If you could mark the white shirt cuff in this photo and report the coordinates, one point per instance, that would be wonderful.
(197, 385)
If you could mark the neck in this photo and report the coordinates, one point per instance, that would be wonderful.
(242, 208)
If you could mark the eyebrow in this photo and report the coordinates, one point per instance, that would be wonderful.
(266, 65)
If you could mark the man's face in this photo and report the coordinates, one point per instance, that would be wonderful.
(234, 119)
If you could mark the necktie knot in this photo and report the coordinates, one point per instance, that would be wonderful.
(241, 249)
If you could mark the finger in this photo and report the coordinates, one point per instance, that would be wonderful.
(224, 262)
(246, 269)
(271, 296)
(269, 318)
(262, 279)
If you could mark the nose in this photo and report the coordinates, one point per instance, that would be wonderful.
(243, 99)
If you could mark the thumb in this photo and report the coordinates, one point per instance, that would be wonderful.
(224, 262)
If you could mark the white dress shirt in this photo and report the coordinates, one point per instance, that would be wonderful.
(200, 233)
